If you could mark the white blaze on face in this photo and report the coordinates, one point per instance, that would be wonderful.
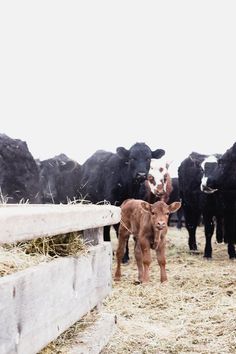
(208, 160)
(158, 170)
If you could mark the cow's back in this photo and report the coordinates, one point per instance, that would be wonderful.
(99, 175)
(19, 174)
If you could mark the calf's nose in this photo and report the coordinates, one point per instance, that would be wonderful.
(161, 224)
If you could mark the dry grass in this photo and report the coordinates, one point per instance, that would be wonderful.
(67, 339)
(19, 256)
(194, 312)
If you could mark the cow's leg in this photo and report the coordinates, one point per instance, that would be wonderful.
(122, 239)
(179, 218)
(209, 230)
(146, 252)
(139, 260)
(191, 222)
(161, 259)
(106, 233)
(230, 229)
(219, 229)
(125, 258)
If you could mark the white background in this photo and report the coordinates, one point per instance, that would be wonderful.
(77, 76)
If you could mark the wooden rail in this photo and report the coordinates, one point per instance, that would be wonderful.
(41, 302)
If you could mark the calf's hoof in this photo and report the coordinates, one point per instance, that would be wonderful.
(117, 276)
(137, 282)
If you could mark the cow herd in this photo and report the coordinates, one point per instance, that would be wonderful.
(206, 188)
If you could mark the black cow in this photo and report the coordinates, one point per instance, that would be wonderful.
(223, 182)
(114, 177)
(173, 197)
(196, 204)
(59, 179)
(19, 175)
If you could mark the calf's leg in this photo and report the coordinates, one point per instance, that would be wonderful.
(125, 258)
(162, 262)
(122, 240)
(139, 260)
(146, 261)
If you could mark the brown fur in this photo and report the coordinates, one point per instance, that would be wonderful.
(148, 224)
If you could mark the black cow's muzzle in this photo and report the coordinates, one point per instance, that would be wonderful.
(208, 190)
(141, 176)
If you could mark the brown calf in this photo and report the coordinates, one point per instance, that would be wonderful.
(148, 225)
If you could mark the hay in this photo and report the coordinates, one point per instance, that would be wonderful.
(21, 255)
(68, 338)
(194, 312)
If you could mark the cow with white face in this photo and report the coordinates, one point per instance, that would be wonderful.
(223, 181)
(158, 178)
(198, 200)
(208, 166)
(158, 185)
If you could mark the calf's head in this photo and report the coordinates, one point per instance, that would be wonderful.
(160, 212)
(159, 215)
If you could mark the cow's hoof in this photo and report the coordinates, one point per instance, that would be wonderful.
(194, 252)
(207, 258)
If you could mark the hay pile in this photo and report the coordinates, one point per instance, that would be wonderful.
(194, 312)
(21, 255)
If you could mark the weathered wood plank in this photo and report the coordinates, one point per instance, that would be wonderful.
(39, 303)
(93, 236)
(94, 338)
(20, 223)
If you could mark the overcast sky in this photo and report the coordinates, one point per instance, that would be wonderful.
(77, 76)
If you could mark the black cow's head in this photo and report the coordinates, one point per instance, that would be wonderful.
(190, 172)
(138, 159)
(209, 166)
(224, 175)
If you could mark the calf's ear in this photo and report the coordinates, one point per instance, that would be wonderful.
(122, 152)
(157, 154)
(174, 207)
(146, 207)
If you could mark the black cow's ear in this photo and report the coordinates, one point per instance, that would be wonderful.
(157, 154)
(122, 152)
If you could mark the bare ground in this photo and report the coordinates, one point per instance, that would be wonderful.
(194, 312)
